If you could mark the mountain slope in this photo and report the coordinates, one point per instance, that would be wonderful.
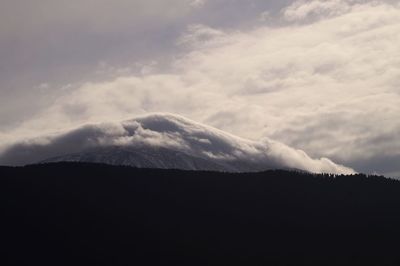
(140, 157)
(165, 141)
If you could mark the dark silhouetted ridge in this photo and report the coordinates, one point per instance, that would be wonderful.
(94, 214)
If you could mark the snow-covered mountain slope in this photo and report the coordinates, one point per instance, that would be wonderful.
(165, 141)
(147, 157)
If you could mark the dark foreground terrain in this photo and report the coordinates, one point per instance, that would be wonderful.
(74, 214)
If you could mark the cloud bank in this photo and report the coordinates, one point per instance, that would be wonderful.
(325, 79)
(174, 133)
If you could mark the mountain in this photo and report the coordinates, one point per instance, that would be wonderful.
(95, 214)
(148, 157)
(165, 141)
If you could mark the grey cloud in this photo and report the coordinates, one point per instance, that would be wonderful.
(376, 163)
(40, 148)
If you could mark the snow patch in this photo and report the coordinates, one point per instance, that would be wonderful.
(166, 132)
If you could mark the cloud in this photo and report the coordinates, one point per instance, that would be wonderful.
(172, 132)
(328, 86)
(98, 15)
(303, 9)
(199, 35)
(265, 16)
(198, 3)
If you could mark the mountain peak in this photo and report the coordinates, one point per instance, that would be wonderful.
(163, 140)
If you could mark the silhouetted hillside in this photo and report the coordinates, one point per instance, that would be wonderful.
(69, 214)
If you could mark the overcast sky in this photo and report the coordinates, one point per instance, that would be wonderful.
(321, 76)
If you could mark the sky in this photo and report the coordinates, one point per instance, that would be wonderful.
(320, 76)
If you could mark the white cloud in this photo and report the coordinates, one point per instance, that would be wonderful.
(303, 9)
(329, 87)
(43, 87)
(172, 132)
(199, 36)
(198, 3)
